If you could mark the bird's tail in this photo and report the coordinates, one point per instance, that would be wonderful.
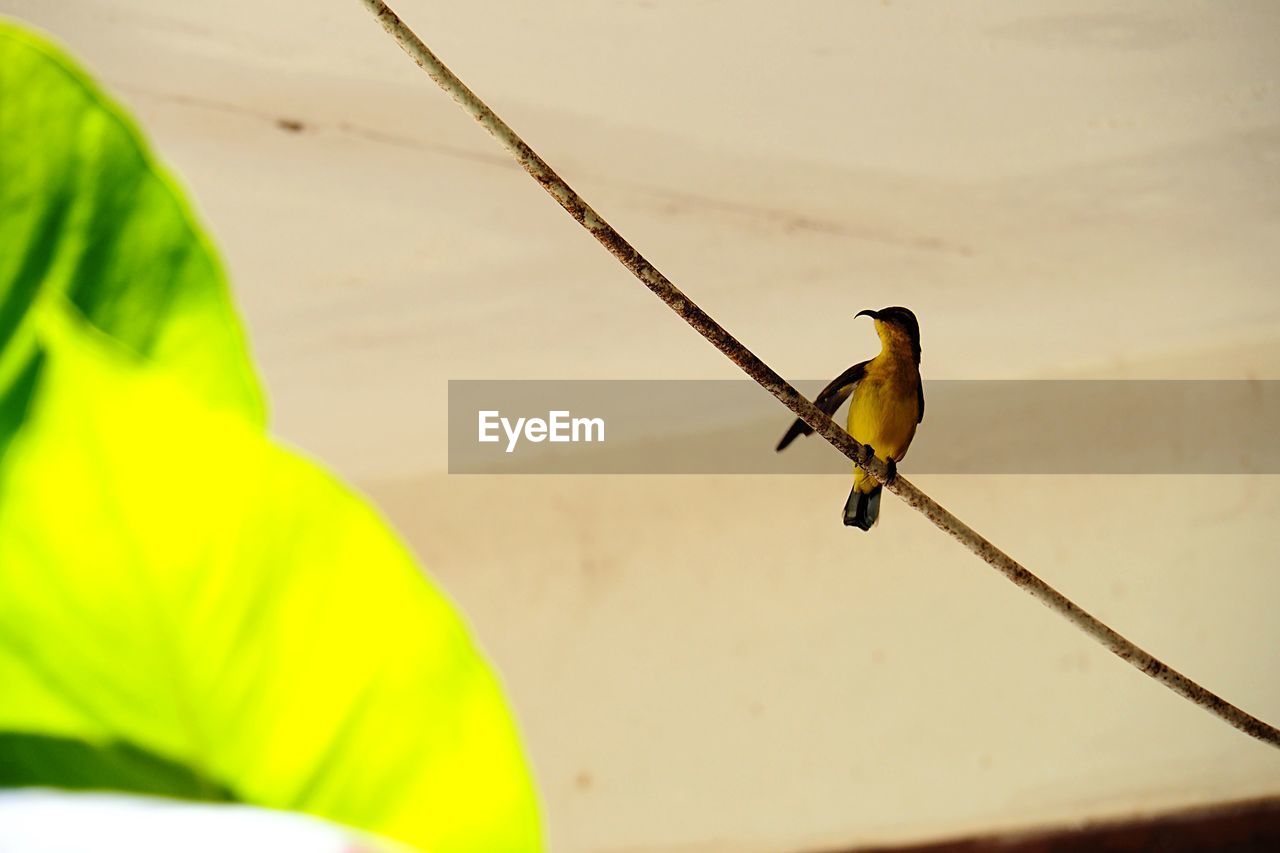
(862, 509)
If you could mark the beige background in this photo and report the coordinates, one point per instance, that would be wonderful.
(715, 664)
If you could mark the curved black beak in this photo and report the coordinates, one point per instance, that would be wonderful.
(874, 315)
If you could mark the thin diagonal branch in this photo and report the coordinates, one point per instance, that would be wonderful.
(792, 399)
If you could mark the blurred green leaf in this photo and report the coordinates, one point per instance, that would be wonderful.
(88, 214)
(186, 607)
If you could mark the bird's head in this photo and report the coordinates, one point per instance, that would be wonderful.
(896, 327)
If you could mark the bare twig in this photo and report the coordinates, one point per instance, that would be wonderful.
(792, 399)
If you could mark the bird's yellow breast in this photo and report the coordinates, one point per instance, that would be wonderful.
(885, 409)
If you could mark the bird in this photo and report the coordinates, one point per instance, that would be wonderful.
(888, 405)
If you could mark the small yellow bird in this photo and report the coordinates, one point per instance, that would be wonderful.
(888, 403)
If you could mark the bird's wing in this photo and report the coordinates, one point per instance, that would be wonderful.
(920, 398)
(830, 399)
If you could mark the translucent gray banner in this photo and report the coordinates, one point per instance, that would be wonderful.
(970, 427)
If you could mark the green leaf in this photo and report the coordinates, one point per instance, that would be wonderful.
(186, 607)
(89, 215)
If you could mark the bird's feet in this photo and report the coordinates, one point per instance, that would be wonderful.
(871, 452)
(889, 463)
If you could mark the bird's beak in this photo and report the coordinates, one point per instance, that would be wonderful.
(874, 315)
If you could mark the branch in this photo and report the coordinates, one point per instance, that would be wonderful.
(764, 375)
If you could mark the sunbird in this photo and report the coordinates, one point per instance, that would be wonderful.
(888, 403)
